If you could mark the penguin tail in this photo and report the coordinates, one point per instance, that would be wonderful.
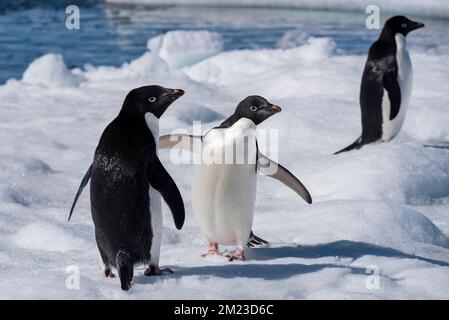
(125, 268)
(255, 241)
(356, 145)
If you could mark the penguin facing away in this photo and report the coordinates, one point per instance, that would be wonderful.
(126, 180)
(223, 194)
(386, 84)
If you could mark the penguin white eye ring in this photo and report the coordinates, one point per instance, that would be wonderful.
(253, 108)
(152, 99)
(404, 25)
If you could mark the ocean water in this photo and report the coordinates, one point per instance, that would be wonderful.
(112, 34)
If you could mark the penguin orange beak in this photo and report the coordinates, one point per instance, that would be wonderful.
(275, 109)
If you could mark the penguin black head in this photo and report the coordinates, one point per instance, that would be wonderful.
(402, 25)
(256, 108)
(153, 99)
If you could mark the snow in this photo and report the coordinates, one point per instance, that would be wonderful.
(383, 207)
(430, 8)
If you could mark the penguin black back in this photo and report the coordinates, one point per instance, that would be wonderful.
(380, 77)
(125, 165)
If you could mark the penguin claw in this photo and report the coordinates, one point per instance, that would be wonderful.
(109, 274)
(237, 255)
(156, 271)
(213, 250)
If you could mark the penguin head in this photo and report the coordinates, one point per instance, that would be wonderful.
(153, 99)
(402, 25)
(256, 108)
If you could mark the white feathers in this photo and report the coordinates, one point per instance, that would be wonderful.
(223, 195)
(390, 128)
(155, 197)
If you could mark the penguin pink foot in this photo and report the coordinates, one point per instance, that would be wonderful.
(237, 255)
(212, 250)
(108, 273)
(156, 271)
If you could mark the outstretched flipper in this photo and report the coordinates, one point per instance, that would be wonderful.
(278, 172)
(356, 145)
(179, 141)
(255, 241)
(161, 180)
(80, 189)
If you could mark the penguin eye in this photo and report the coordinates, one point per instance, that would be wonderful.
(253, 108)
(404, 25)
(152, 99)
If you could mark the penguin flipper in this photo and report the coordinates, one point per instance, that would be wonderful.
(179, 141)
(355, 145)
(80, 189)
(255, 241)
(391, 84)
(161, 180)
(272, 169)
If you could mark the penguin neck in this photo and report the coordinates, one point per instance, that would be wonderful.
(137, 122)
(401, 43)
(229, 121)
(152, 123)
(387, 36)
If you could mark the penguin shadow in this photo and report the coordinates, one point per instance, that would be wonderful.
(274, 271)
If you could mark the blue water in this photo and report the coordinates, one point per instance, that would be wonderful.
(113, 34)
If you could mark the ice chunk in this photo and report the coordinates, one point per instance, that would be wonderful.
(49, 70)
(292, 38)
(185, 48)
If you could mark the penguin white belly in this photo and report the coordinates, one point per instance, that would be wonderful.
(155, 199)
(390, 128)
(223, 195)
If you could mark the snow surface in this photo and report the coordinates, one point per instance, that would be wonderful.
(430, 8)
(384, 207)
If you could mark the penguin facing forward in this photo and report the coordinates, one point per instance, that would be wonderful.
(126, 180)
(224, 192)
(386, 83)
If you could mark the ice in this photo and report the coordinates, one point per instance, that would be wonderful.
(431, 8)
(184, 48)
(384, 206)
(49, 70)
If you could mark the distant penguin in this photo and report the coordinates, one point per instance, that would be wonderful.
(125, 175)
(224, 192)
(386, 84)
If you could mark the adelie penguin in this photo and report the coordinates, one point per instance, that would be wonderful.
(126, 180)
(224, 191)
(386, 84)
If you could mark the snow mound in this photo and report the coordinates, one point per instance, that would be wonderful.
(185, 48)
(40, 236)
(226, 68)
(49, 70)
(146, 65)
(374, 222)
(407, 174)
